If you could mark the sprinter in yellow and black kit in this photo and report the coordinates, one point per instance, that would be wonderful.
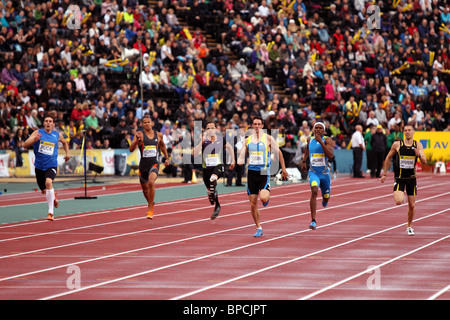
(407, 152)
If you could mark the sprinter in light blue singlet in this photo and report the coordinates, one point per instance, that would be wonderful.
(258, 147)
(259, 155)
(45, 145)
(318, 150)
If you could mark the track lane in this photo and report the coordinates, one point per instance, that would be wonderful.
(242, 232)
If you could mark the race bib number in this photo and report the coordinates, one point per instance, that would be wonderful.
(318, 160)
(149, 152)
(212, 160)
(256, 158)
(407, 162)
(46, 147)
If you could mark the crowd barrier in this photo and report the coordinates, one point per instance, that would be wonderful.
(436, 146)
(113, 162)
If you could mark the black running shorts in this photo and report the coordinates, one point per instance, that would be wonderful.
(409, 184)
(42, 175)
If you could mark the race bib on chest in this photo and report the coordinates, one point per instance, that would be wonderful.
(256, 158)
(212, 160)
(407, 162)
(149, 152)
(318, 160)
(46, 148)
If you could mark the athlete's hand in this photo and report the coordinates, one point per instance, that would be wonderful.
(166, 162)
(38, 136)
(303, 167)
(67, 158)
(383, 179)
(284, 175)
(232, 166)
(417, 152)
(318, 137)
(139, 136)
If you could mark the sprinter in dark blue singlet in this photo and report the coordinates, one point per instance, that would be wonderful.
(150, 143)
(45, 145)
(408, 152)
(213, 159)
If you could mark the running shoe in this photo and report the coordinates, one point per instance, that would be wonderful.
(50, 217)
(265, 203)
(313, 225)
(150, 212)
(258, 233)
(410, 231)
(55, 202)
(216, 211)
(324, 203)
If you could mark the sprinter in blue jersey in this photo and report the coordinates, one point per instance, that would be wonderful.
(45, 145)
(258, 147)
(318, 150)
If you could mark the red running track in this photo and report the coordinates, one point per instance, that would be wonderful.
(360, 249)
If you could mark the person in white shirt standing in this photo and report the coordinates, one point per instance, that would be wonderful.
(420, 115)
(144, 78)
(358, 148)
(372, 119)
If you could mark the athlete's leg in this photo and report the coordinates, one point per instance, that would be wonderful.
(314, 183)
(50, 195)
(313, 202)
(214, 196)
(411, 191)
(145, 190)
(411, 209)
(151, 188)
(264, 196)
(212, 187)
(143, 179)
(210, 184)
(253, 198)
(399, 197)
(325, 186)
(150, 192)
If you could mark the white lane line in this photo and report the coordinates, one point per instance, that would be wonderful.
(171, 226)
(83, 214)
(303, 257)
(235, 249)
(440, 292)
(372, 268)
(138, 218)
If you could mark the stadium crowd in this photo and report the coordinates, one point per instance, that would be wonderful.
(343, 62)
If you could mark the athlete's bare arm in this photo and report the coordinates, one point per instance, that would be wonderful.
(65, 146)
(163, 148)
(241, 158)
(35, 136)
(137, 139)
(394, 149)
